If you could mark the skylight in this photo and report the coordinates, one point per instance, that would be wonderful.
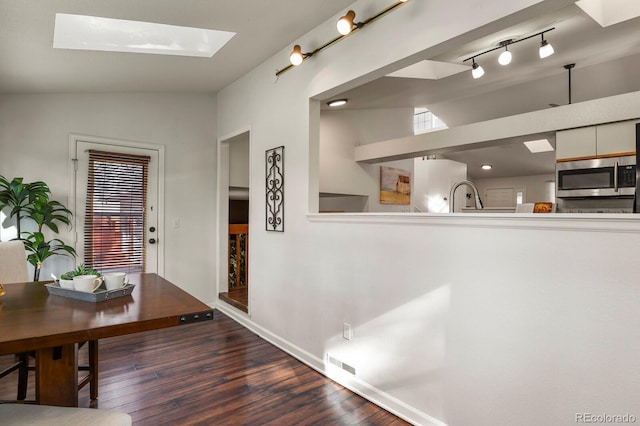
(118, 35)
(424, 121)
(541, 145)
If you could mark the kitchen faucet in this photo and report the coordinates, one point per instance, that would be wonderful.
(473, 188)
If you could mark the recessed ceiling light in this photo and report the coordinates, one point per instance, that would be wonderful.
(541, 145)
(337, 102)
(486, 167)
(83, 32)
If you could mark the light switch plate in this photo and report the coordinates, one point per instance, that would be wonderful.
(347, 332)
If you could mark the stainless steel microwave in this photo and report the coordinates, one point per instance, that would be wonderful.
(601, 177)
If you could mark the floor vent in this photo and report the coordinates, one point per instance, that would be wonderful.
(340, 364)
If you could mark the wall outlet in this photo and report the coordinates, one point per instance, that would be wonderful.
(347, 331)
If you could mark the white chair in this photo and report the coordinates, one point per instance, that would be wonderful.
(13, 262)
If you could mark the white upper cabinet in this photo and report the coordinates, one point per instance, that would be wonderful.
(603, 140)
(576, 143)
(616, 138)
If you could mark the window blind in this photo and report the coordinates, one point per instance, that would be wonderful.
(115, 220)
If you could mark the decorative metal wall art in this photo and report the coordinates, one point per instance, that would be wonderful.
(274, 164)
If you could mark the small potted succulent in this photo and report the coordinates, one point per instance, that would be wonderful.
(66, 279)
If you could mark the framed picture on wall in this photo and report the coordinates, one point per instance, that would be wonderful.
(395, 186)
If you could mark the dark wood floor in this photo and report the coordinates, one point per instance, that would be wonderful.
(237, 297)
(216, 373)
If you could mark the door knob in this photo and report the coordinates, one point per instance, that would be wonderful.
(152, 240)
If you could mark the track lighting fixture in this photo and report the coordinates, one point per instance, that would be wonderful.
(546, 49)
(505, 57)
(345, 26)
(476, 70)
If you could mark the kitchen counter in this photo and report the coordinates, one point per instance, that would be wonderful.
(489, 210)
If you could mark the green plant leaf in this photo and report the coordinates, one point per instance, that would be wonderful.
(47, 212)
(18, 195)
(40, 249)
(31, 200)
(80, 270)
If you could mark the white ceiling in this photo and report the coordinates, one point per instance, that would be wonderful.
(607, 63)
(508, 159)
(607, 59)
(30, 65)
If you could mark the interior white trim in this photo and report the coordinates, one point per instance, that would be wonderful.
(74, 138)
(596, 222)
(371, 393)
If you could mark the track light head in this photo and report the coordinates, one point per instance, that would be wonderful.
(296, 56)
(546, 49)
(345, 24)
(476, 70)
(505, 57)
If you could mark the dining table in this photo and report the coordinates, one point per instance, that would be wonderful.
(53, 326)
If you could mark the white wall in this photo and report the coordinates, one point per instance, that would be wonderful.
(537, 188)
(457, 320)
(432, 183)
(34, 144)
(239, 161)
(343, 204)
(340, 133)
(366, 126)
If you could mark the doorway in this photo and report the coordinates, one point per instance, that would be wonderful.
(234, 177)
(117, 204)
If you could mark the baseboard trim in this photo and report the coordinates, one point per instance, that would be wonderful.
(365, 390)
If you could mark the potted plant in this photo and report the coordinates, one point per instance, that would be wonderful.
(80, 270)
(31, 200)
(66, 279)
